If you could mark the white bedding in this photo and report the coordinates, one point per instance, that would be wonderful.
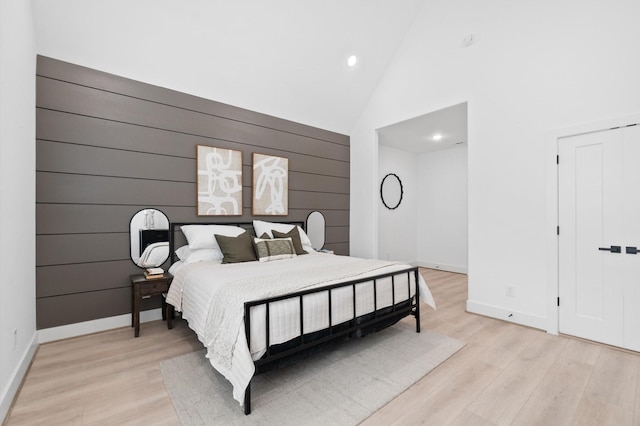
(197, 287)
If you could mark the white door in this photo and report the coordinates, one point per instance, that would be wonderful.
(599, 209)
(631, 239)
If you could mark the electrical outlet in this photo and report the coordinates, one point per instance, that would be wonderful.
(511, 291)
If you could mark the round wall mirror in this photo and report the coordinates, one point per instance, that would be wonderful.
(149, 238)
(315, 229)
(391, 191)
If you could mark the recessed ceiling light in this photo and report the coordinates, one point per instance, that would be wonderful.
(352, 60)
(437, 137)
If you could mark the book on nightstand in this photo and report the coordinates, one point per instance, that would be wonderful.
(151, 273)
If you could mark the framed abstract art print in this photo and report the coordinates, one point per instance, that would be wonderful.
(270, 185)
(219, 181)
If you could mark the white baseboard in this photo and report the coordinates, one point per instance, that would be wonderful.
(88, 327)
(448, 268)
(16, 378)
(522, 318)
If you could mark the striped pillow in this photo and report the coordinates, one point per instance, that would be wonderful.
(275, 249)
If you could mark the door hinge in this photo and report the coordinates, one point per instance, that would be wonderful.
(558, 301)
(557, 230)
(557, 159)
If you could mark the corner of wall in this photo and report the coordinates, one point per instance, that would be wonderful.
(443, 267)
(17, 377)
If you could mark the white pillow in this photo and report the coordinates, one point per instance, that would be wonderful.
(261, 227)
(202, 236)
(198, 255)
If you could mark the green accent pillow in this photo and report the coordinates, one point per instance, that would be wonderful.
(295, 238)
(274, 249)
(237, 249)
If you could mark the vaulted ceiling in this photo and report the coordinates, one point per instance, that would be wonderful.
(285, 58)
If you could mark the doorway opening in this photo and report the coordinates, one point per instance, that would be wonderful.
(429, 155)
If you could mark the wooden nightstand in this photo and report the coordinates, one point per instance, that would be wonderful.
(143, 288)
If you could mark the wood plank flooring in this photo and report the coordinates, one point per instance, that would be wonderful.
(505, 375)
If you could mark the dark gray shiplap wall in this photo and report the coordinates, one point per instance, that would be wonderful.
(108, 146)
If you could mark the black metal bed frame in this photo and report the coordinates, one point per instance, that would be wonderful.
(397, 310)
(353, 325)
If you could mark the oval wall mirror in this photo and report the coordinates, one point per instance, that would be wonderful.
(149, 238)
(315, 229)
(391, 191)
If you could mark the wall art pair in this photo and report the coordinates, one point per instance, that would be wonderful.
(219, 182)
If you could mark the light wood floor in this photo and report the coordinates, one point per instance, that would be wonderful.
(505, 375)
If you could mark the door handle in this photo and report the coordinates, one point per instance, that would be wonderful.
(613, 249)
(632, 250)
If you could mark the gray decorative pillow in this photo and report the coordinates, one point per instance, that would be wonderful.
(295, 238)
(236, 249)
(276, 249)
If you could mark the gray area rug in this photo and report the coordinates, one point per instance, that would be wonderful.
(341, 385)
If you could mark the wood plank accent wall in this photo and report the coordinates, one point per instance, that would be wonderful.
(108, 146)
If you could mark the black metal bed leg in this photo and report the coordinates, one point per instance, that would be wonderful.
(417, 303)
(247, 332)
(417, 315)
(247, 400)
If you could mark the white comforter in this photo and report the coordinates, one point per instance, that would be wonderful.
(211, 296)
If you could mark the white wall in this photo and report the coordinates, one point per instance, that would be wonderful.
(17, 196)
(442, 209)
(534, 67)
(397, 229)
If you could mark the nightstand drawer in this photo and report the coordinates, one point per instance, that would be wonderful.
(151, 287)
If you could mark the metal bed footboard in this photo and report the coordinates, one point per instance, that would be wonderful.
(354, 325)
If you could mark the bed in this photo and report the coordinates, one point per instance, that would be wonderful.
(253, 315)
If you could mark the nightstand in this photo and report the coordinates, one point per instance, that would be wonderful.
(143, 288)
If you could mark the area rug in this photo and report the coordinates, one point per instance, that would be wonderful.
(343, 384)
